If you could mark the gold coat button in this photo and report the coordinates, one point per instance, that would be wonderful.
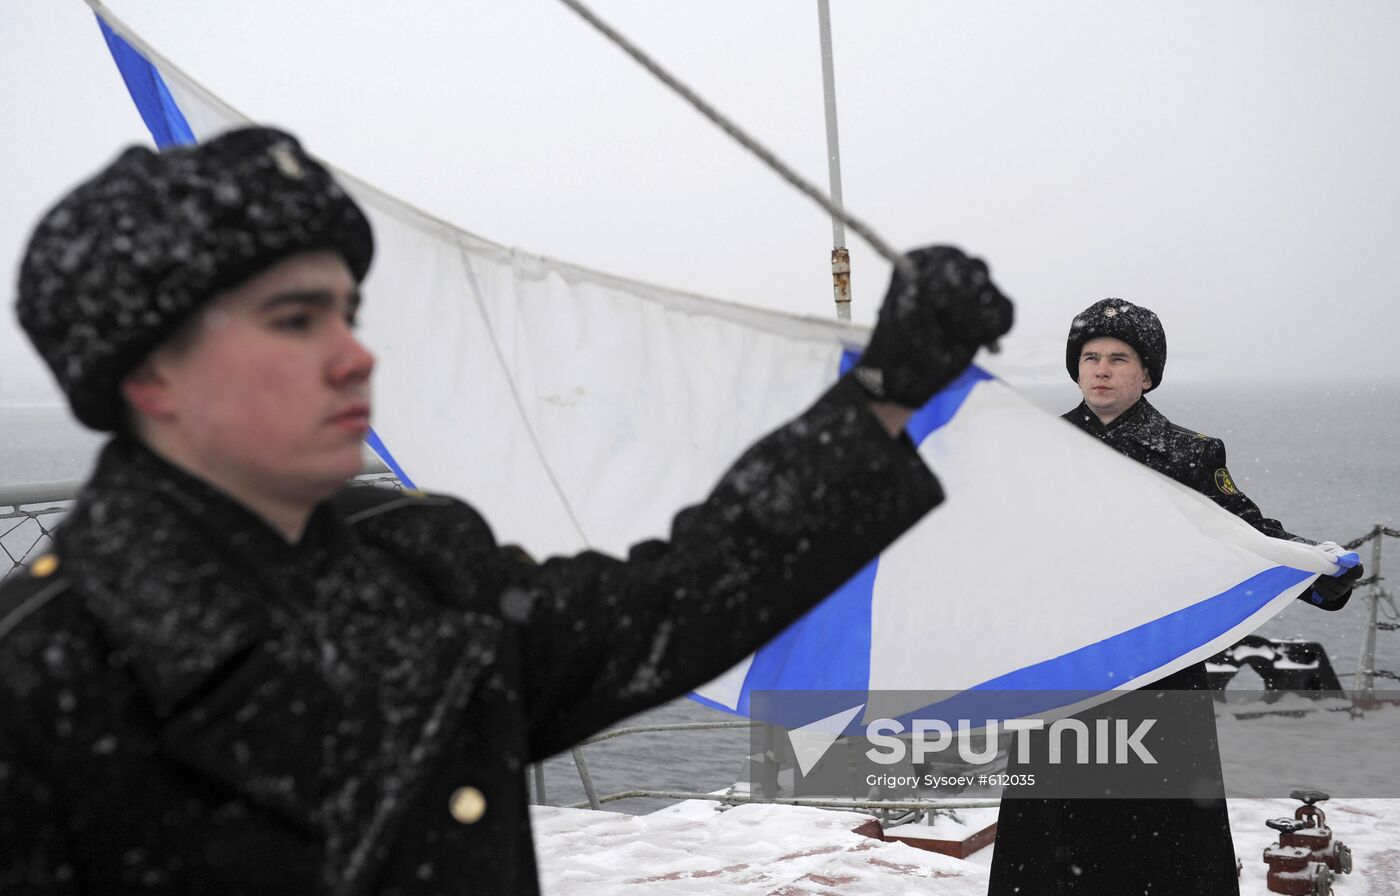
(467, 805)
(44, 566)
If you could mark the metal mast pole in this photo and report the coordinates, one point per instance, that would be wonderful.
(840, 257)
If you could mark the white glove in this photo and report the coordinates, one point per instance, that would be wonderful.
(1344, 558)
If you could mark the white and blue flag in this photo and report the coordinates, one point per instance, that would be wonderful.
(581, 410)
(1055, 567)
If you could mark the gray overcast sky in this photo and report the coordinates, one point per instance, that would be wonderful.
(1233, 165)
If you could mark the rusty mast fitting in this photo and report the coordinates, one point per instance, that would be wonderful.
(749, 143)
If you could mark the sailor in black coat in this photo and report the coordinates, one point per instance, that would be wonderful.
(1195, 460)
(194, 705)
(1111, 846)
(234, 675)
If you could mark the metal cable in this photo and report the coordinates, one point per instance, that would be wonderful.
(37, 542)
(749, 143)
(1379, 530)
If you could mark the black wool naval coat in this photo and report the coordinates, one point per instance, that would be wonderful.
(189, 704)
(1160, 847)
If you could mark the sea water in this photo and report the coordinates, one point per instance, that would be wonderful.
(1324, 459)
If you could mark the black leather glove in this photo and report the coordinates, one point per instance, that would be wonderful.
(1333, 592)
(930, 326)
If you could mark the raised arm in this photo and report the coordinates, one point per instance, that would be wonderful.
(798, 514)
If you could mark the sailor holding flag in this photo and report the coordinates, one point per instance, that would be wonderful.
(235, 675)
(1116, 352)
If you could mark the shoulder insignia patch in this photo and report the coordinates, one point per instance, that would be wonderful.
(1225, 483)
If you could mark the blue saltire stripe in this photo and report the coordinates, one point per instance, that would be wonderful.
(169, 128)
(1110, 662)
(784, 666)
(158, 109)
(799, 659)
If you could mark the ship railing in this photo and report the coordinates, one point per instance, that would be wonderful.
(30, 511)
(1381, 616)
(890, 811)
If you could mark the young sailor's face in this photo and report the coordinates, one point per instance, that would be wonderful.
(1111, 376)
(269, 384)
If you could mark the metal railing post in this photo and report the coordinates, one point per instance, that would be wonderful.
(769, 769)
(585, 777)
(539, 784)
(1366, 668)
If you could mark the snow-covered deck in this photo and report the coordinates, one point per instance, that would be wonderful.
(765, 850)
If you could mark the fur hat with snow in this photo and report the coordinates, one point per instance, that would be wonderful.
(120, 262)
(1119, 319)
